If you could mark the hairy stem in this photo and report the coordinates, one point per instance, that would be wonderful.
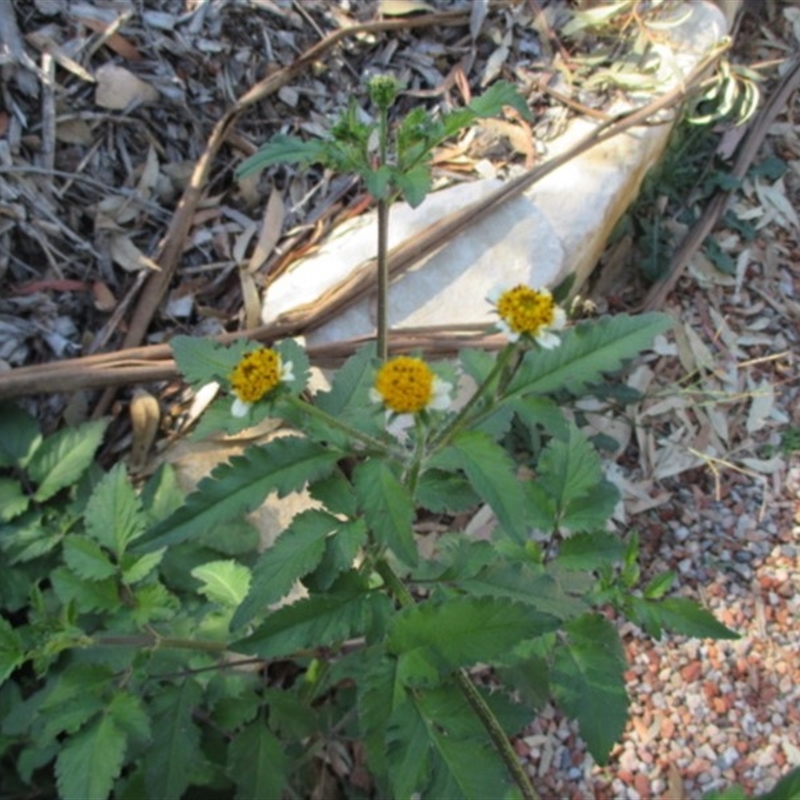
(462, 417)
(496, 733)
(333, 422)
(383, 260)
(154, 640)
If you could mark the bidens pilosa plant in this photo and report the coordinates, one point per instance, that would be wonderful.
(161, 638)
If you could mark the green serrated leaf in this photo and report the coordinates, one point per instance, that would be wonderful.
(341, 549)
(568, 470)
(114, 515)
(291, 352)
(162, 494)
(295, 553)
(414, 184)
(377, 181)
(13, 501)
(408, 751)
(491, 473)
(379, 692)
(388, 508)
(588, 551)
(319, 621)
(535, 411)
(436, 747)
(62, 458)
(129, 714)
(659, 585)
(87, 595)
(445, 492)
(90, 761)
(465, 630)
(500, 94)
(349, 393)
(201, 360)
(283, 149)
(87, 559)
(176, 741)
(28, 537)
(12, 649)
(685, 616)
(256, 763)
(787, 788)
(592, 511)
(135, 569)
(153, 603)
(283, 465)
(71, 714)
(586, 352)
(520, 583)
(224, 582)
(336, 493)
(589, 684)
(19, 436)
(736, 792)
(530, 679)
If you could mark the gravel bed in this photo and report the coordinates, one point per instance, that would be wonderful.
(704, 714)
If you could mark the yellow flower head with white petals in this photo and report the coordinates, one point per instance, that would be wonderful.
(258, 373)
(407, 385)
(531, 313)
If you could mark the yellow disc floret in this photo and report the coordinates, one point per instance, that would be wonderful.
(256, 375)
(405, 384)
(526, 310)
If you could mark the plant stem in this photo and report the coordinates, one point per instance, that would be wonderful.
(383, 243)
(153, 640)
(460, 420)
(496, 733)
(328, 419)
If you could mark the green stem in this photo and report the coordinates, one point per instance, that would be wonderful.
(154, 640)
(496, 733)
(383, 243)
(460, 420)
(313, 411)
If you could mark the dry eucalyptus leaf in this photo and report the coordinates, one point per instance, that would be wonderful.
(128, 255)
(399, 8)
(149, 177)
(251, 299)
(74, 131)
(270, 232)
(760, 406)
(477, 15)
(118, 88)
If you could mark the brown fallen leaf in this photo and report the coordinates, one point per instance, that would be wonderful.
(118, 88)
(104, 299)
(128, 255)
(270, 232)
(399, 8)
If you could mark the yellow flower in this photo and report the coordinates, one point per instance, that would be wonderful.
(257, 374)
(407, 385)
(530, 312)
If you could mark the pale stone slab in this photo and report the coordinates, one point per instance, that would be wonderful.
(514, 245)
